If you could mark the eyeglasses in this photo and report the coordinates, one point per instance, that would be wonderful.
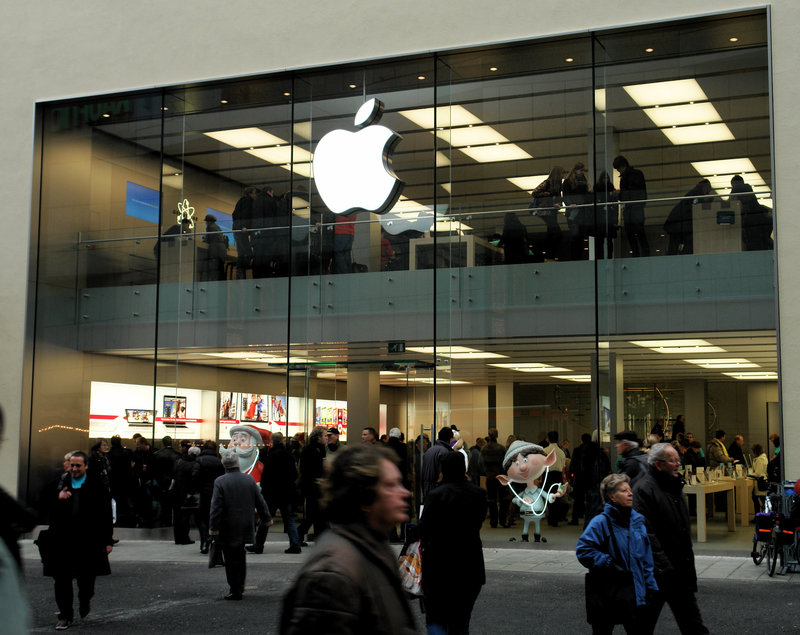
(671, 461)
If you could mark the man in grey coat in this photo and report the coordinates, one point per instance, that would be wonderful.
(236, 496)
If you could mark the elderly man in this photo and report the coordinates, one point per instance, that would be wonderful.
(350, 582)
(658, 496)
(81, 530)
(332, 440)
(432, 458)
(235, 497)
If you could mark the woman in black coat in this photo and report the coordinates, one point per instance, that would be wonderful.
(452, 553)
(546, 203)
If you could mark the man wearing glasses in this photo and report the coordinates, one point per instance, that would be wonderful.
(658, 496)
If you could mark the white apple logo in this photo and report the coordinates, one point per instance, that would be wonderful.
(353, 170)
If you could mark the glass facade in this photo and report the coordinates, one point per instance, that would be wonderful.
(194, 271)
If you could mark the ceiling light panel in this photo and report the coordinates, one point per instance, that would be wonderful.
(683, 115)
(753, 375)
(531, 367)
(680, 91)
(245, 137)
(582, 379)
(685, 135)
(723, 363)
(446, 117)
(471, 136)
(496, 153)
(724, 166)
(281, 154)
(528, 183)
(456, 352)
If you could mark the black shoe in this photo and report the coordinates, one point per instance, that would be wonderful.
(233, 596)
(524, 537)
(253, 549)
(83, 611)
(63, 625)
(114, 541)
(293, 550)
(204, 549)
(303, 543)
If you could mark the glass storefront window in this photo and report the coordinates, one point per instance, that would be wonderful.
(196, 271)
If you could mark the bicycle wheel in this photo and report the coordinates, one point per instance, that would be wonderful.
(772, 553)
(759, 551)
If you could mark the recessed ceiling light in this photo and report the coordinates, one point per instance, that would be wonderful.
(569, 59)
(287, 94)
(106, 115)
(680, 346)
(352, 85)
(583, 379)
(677, 91)
(420, 76)
(531, 367)
(649, 50)
(456, 352)
(164, 108)
(733, 39)
(493, 68)
(732, 362)
(753, 375)
(223, 101)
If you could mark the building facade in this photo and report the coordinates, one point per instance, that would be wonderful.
(461, 299)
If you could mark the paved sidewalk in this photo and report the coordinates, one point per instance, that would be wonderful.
(528, 558)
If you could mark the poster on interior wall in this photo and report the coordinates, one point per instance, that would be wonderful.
(278, 410)
(332, 414)
(228, 402)
(254, 407)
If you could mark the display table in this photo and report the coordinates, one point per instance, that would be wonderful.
(744, 499)
(453, 251)
(700, 491)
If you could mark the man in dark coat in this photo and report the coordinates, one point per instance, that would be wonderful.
(207, 468)
(634, 461)
(312, 459)
(577, 479)
(185, 485)
(633, 188)
(658, 496)
(265, 210)
(242, 221)
(493, 455)
(163, 478)
(278, 488)
(432, 458)
(452, 553)
(81, 529)
(236, 496)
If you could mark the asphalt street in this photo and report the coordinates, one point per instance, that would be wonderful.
(186, 597)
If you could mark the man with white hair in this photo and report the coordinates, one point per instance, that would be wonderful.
(245, 439)
(658, 496)
(235, 497)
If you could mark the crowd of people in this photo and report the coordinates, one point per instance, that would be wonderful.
(265, 243)
(636, 536)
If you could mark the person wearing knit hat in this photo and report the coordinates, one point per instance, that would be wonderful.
(524, 463)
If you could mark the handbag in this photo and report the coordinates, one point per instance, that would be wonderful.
(192, 501)
(610, 594)
(215, 557)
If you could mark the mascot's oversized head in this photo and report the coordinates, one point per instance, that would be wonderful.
(525, 462)
(245, 439)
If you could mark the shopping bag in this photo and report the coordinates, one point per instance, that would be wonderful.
(410, 564)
